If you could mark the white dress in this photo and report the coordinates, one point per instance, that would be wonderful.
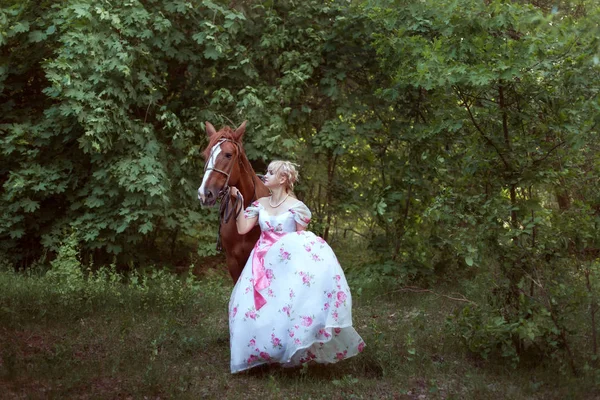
(292, 303)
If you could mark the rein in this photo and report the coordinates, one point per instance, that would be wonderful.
(227, 209)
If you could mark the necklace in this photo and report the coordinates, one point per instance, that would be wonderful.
(278, 204)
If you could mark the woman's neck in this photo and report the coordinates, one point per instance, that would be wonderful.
(278, 194)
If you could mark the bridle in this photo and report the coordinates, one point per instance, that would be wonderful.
(227, 210)
(225, 188)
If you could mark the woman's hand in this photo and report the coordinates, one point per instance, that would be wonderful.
(234, 193)
(244, 225)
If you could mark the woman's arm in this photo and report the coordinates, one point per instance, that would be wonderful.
(245, 225)
(301, 215)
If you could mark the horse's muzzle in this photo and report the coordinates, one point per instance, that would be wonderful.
(207, 198)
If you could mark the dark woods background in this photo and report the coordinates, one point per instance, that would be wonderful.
(439, 141)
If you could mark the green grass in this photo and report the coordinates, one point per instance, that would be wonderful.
(168, 338)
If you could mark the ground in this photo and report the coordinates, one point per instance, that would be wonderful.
(135, 344)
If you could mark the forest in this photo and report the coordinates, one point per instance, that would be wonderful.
(448, 150)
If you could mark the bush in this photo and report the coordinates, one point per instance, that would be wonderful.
(546, 314)
(67, 291)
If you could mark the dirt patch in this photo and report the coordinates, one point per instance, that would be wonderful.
(32, 389)
(87, 351)
(25, 344)
(105, 387)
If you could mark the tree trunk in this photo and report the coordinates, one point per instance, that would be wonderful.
(331, 163)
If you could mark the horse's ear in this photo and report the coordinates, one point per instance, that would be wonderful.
(239, 132)
(210, 129)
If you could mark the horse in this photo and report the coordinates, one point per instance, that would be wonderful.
(227, 165)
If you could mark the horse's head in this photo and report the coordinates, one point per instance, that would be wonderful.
(222, 166)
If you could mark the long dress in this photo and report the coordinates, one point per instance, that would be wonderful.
(291, 304)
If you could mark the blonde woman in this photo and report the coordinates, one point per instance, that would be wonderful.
(292, 303)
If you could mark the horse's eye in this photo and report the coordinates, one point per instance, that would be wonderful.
(228, 155)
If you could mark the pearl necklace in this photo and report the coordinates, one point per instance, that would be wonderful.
(280, 203)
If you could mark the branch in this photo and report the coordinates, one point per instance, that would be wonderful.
(476, 97)
(148, 109)
(413, 289)
(488, 140)
(539, 160)
(358, 233)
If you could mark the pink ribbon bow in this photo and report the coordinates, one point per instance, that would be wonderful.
(259, 272)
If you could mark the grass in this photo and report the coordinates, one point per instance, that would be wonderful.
(167, 338)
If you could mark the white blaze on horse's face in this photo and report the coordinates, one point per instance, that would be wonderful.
(210, 163)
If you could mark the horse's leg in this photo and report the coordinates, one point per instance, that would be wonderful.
(235, 270)
(237, 251)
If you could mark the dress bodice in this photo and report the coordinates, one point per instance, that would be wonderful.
(281, 223)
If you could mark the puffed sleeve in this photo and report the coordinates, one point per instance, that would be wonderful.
(301, 213)
(252, 210)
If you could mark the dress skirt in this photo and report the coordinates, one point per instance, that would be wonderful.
(300, 311)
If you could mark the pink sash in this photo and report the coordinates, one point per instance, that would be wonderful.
(259, 272)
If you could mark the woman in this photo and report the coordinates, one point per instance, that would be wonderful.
(292, 303)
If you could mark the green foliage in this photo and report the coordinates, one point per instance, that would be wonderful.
(66, 272)
(106, 290)
(93, 137)
(443, 139)
(542, 322)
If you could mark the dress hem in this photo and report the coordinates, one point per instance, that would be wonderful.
(283, 364)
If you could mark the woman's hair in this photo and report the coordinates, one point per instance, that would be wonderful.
(285, 169)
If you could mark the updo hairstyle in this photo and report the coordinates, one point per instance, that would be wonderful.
(285, 169)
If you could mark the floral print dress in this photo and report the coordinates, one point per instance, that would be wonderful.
(292, 303)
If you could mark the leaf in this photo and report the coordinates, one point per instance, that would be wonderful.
(29, 205)
(199, 37)
(21, 27)
(469, 261)
(381, 206)
(146, 227)
(121, 228)
(17, 233)
(211, 53)
(151, 179)
(90, 235)
(37, 36)
(93, 202)
(81, 10)
(114, 248)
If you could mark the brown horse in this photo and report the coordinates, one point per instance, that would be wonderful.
(227, 165)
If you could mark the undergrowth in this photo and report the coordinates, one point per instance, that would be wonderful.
(76, 333)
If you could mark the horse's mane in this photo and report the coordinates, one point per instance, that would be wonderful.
(225, 133)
